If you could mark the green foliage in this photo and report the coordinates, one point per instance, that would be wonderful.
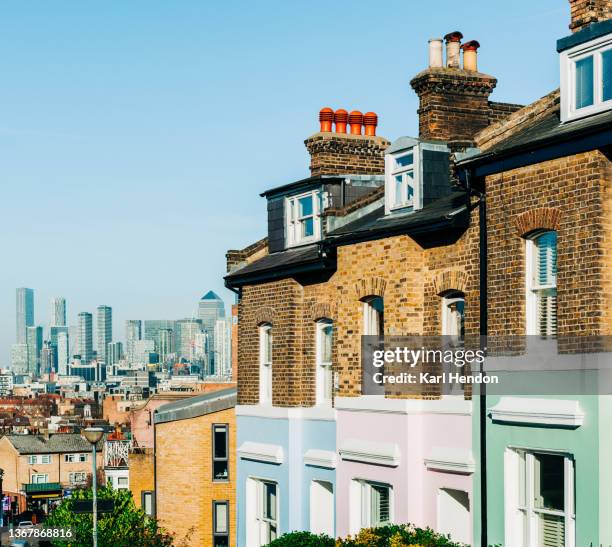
(393, 535)
(302, 539)
(126, 526)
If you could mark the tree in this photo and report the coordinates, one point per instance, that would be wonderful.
(125, 526)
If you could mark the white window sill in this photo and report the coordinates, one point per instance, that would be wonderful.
(549, 412)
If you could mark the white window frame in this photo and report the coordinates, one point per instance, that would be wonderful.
(124, 486)
(293, 223)
(35, 478)
(265, 364)
(361, 500)
(521, 520)
(266, 524)
(531, 286)
(372, 316)
(324, 378)
(73, 480)
(392, 169)
(32, 459)
(447, 317)
(45, 458)
(568, 60)
(75, 458)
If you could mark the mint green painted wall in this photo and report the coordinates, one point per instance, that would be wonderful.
(605, 470)
(582, 443)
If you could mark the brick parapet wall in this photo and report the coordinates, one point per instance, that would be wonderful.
(585, 12)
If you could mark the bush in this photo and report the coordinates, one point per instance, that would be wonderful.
(393, 535)
(302, 539)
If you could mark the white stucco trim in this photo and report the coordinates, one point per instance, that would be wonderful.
(323, 413)
(362, 451)
(261, 452)
(453, 460)
(320, 458)
(449, 404)
(524, 410)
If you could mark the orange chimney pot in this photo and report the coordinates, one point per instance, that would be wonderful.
(472, 45)
(326, 118)
(355, 119)
(370, 121)
(453, 36)
(341, 118)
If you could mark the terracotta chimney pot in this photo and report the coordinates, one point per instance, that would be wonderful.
(355, 119)
(370, 121)
(341, 119)
(326, 118)
(470, 54)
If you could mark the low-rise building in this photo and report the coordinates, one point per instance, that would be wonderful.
(39, 469)
(195, 468)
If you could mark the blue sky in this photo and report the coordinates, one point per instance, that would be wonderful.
(136, 136)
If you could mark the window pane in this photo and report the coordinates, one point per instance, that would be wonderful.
(549, 482)
(221, 541)
(380, 505)
(546, 245)
(305, 206)
(220, 441)
(399, 189)
(221, 519)
(308, 227)
(606, 67)
(270, 501)
(326, 333)
(584, 82)
(220, 469)
(410, 185)
(405, 161)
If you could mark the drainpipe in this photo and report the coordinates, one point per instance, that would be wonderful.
(482, 407)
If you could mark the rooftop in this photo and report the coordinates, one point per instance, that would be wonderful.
(56, 444)
(199, 405)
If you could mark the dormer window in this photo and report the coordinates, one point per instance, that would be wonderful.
(402, 175)
(304, 218)
(586, 78)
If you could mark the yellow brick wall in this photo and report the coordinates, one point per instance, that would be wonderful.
(142, 477)
(185, 489)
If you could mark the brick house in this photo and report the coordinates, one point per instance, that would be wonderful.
(380, 239)
(194, 469)
(38, 469)
(546, 172)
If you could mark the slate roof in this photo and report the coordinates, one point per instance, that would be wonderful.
(548, 129)
(200, 405)
(55, 444)
(282, 259)
(447, 210)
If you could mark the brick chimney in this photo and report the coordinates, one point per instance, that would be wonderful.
(585, 12)
(358, 152)
(453, 100)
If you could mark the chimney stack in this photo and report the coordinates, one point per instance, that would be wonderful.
(341, 153)
(585, 12)
(453, 46)
(453, 101)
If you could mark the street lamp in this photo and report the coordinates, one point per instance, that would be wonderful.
(93, 436)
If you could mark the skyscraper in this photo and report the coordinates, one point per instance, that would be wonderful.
(63, 354)
(85, 334)
(58, 311)
(104, 333)
(153, 327)
(210, 308)
(114, 353)
(19, 358)
(34, 341)
(166, 343)
(133, 333)
(222, 348)
(185, 338)
(47, 358)
(25, 312)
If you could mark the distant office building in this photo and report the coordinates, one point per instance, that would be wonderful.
(199, 349)
(185, 337)
(133, 333)
(58, 312)
(6, 384)
(166, 343)
(92, 372)
(210, 308)
(85, 334)
(114, 353)
(34, 341)
(47, 358)
(73, 339)
(25, 312)
(54, 332)
(153, 329)
(222, 353)
(143, 350)
(19, 358)
(104, 333)
(63, 353)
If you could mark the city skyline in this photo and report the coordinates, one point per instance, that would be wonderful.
(159, 143)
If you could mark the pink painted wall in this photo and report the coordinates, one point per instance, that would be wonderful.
(415, 488)
(141, 420)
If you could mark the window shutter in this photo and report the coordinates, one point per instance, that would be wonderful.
(552, 531)
(547, 314)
